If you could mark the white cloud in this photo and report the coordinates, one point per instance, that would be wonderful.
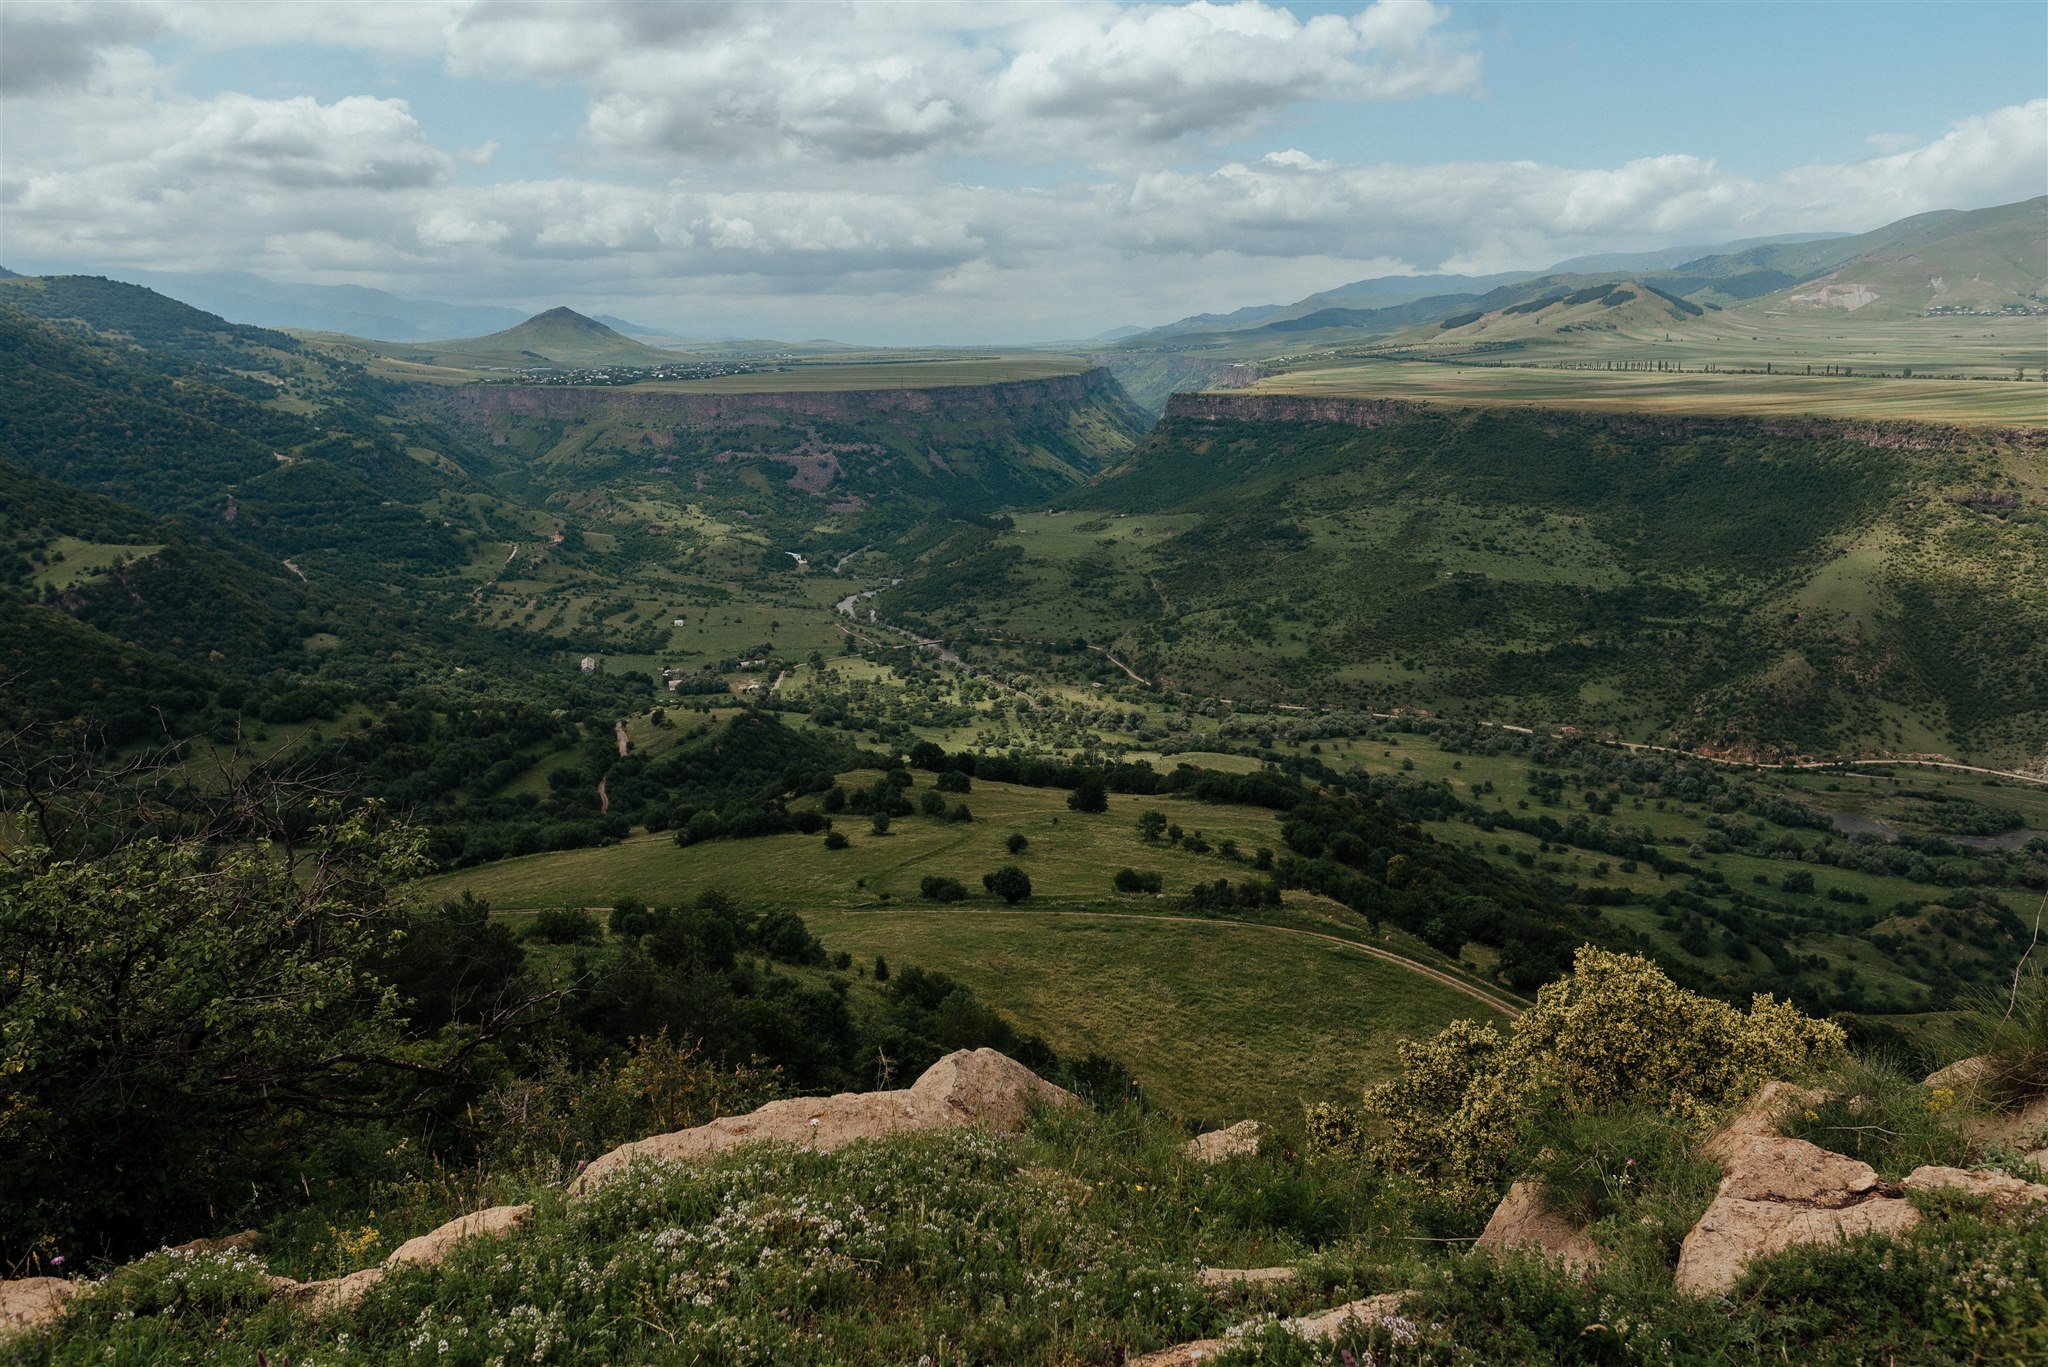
(780, 82)
(786, 165)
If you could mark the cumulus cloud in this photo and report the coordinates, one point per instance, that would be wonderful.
(801, 167)
(1163, 72)
(873, 82)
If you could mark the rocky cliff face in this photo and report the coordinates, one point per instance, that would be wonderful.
(1013, 399)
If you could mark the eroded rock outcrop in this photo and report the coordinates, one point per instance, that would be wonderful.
(1522, 1220)
(1217, 1145)
(969, 1087)
(1777, 1193)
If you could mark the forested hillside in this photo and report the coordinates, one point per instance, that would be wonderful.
(1755, 586)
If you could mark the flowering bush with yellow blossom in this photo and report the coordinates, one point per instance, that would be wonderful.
(1616, 1031)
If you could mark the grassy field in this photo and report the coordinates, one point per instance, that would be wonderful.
(1217, 1021)
(1973, 402)
(71, 562)
(1071, 857)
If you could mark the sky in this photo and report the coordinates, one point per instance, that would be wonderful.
(984, 172)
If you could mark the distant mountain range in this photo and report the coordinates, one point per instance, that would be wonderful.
(1976, 259)
(352, 309)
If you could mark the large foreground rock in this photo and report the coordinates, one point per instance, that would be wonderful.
(1521, 1220)
(978, 1086)
(31, 1302)
(1777, 1193)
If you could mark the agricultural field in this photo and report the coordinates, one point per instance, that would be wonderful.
(1210, 1018)
(1543, 384)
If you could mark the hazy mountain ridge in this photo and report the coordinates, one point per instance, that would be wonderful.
(1996, 257)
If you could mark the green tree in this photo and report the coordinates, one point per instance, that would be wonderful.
(167, 1007)
(1009, 882)
(1091, 794)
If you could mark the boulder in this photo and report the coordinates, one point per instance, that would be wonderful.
(29, 1303)
(1762, 1114)
(1521, 1220)
(1323, 1327)
(2023, 1127)
(1217, 1145)
(2002, 1189)
(232, 1243)
(1222, 1280)
(977, 1086)
(1317, 1328)
(331, 1294)
(342, 1293)
(431, 1247)
(1964, 1072)
(1776, 1193)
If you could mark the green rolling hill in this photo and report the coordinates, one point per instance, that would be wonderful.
(557, 339)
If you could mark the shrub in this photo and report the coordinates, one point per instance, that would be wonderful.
(631, 917)
(836, 840)
(565, 926)
(953, 781)
(1616, 1032)
(1130, 880)
(879, 824)
(935, 888)
(1008, 882)
(2009, 1030)
(1091, 794)
(1016, 844)
(1877, 1114)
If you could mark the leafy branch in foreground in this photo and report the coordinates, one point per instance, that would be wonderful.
(196, 1003)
